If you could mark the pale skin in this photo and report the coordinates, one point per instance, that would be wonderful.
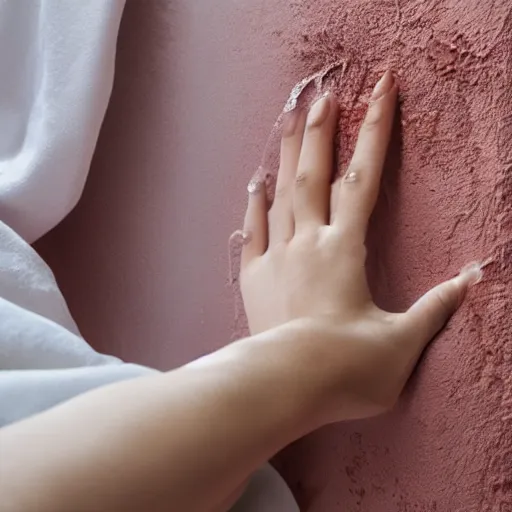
(319, 351)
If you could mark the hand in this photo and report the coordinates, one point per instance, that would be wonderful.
(305, 258)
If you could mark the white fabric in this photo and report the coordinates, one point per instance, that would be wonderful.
(58, 62)
(57, 58)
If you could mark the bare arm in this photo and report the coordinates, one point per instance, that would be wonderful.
(176, 441)
(321, 351)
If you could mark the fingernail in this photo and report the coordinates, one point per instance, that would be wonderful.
(290, 122)
(383, 86)
(471, 273)
(320, 110)
(469, 276)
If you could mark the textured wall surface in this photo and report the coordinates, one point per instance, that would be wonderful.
(143, 259)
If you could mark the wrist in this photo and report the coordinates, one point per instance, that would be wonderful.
(303, 365)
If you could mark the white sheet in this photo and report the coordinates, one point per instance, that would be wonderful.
(58, 61)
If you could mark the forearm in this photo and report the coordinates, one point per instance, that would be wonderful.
(183, 440)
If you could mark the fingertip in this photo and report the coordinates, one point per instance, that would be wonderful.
(313, 178)
(363, 175)
(383, 86)
(319, 111)
(471, 274)
(293, 122)
(429, 314)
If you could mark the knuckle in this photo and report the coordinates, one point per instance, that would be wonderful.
(355, 174)
(302, 179)
(281, 191)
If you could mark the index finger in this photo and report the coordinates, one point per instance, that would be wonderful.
(359, 189)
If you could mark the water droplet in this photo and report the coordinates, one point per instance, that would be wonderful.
(350, 177)
(254, 186)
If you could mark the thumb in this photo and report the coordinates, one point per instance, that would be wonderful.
(431, 312)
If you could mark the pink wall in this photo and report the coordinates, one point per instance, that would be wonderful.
(143, 258)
